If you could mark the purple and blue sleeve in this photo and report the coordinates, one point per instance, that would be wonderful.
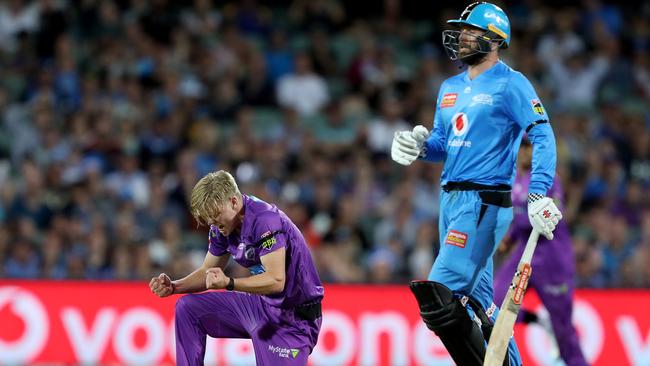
(268, 233)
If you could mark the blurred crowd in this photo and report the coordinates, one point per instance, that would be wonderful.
(111, 110)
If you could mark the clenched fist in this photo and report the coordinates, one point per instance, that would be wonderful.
(215, 279)
(162, 285)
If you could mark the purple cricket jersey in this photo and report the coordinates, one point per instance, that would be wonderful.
(265, 228)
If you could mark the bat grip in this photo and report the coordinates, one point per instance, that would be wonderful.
(530, 247)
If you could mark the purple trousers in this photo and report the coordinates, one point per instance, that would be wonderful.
(279, 336)
(552, 279)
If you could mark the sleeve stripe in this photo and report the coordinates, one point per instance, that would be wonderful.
(538, 122)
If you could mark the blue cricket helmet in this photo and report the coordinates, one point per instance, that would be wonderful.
(487, 17)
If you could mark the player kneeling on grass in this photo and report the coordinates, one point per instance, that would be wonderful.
(278, 307)
(481, 116)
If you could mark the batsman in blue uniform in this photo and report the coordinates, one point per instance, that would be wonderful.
(481, 116)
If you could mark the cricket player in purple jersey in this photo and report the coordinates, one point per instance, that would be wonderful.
(278, 306)
(553, 264)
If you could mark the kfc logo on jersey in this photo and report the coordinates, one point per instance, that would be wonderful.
(448, 100)
(459, 123)
(456, 238)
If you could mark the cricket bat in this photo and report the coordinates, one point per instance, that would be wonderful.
(504, 326)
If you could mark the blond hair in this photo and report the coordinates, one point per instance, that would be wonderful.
(210, 193)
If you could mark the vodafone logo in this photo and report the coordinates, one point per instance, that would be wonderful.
(459, 123)
(129, 326)
(31, 311)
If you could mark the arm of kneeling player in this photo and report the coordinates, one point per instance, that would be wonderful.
(195, 281)
(271, 280)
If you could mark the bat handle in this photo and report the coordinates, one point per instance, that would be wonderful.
(530, 247)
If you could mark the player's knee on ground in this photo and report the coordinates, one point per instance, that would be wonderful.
(446, 316)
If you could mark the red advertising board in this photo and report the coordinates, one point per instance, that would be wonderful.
(123, 323)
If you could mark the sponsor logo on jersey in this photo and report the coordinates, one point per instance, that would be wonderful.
(459, 143)
(481, 99)
(284, 352)
(456, 238)
(269, 242)
(556, 290)
(459, 123)
(448, 100)
(537, 107)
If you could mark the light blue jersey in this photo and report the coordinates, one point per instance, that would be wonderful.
(477, 131)
(479, 124)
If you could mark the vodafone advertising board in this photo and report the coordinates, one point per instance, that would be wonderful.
(123, 323)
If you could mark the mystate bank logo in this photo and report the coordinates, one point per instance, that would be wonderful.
(30, 310)
(284, 352)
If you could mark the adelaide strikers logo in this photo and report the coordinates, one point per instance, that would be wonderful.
(459, 123)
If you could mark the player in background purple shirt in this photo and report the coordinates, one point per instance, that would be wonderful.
(278, 306)
(553, 264)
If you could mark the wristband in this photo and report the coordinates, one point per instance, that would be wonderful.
(231, 284)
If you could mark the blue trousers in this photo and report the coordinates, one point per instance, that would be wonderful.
(470, 232)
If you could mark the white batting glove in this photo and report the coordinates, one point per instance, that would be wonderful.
(407, 145)
(420, 134)
(543, 214)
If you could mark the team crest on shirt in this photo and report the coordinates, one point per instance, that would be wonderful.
(460, 123)
(537, 107)
(448, 100)
(249, 253)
